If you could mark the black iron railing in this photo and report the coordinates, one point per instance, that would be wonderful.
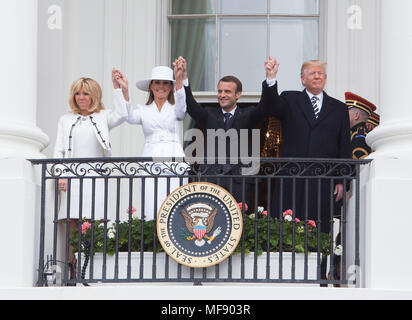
(106, 220)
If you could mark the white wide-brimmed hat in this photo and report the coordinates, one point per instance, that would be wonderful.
(158, 73)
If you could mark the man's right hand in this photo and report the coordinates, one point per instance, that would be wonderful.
(271, 67)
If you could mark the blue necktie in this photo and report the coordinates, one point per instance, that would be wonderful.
(316, 109)
(227, 116)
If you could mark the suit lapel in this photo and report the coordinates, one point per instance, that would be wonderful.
(220, 118)
(326, 107)
(306, 107)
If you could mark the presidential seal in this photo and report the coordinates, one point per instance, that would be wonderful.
(199, 224)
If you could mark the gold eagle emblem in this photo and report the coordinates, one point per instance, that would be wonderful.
(199, 219)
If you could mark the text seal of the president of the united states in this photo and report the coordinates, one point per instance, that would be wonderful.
(199, 224)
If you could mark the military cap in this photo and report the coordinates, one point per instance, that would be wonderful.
(355, 101)
(374, 119)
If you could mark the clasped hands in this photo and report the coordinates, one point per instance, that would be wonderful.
(119, 80)
(180, 69)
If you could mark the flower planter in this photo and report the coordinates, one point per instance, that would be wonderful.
(221, 271)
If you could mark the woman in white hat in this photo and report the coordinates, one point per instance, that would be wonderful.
(161, 119)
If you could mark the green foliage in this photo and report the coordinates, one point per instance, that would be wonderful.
(284, 234)
(117, 236)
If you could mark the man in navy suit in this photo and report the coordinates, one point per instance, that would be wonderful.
(314, 125)
(232, 125)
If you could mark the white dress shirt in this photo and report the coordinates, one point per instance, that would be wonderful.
(319, 96)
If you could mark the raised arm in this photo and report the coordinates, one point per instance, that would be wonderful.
(120, 81)
(180, 74)
(271, 68)
(269, 100)
(180, 71)
(120, 99)
(194, 109)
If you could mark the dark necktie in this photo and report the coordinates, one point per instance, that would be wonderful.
(227, 116)
(315, 105)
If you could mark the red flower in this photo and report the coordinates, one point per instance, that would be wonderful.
(288, 212)
(133, 210)
(312, 223)
(240, 204)
(86, 225)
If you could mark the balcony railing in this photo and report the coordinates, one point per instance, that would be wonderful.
(108, 214)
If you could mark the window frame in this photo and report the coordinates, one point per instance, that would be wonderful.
(247, 96)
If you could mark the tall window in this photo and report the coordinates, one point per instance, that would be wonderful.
(234, 37)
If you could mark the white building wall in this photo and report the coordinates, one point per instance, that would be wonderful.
(353, 48)
(96, 35)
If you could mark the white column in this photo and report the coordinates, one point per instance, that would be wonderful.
(388, 254)
(393, 137)
(19, 136)
(20, 139)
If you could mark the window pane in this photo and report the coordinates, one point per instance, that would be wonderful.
(193, 6)
(293, 42)
(294, 7)
(195, 40)
(243, 51)
(243, 6)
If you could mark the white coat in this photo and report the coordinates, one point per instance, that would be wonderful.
(101, 123)
(161, 130)
(104, 121)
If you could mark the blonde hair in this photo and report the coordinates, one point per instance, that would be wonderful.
(310, 63)
(92, 88)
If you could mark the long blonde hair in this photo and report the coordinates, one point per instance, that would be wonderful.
(92, 88)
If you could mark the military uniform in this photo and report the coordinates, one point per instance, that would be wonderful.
(360, 149)
(374, 119)
(358, 132)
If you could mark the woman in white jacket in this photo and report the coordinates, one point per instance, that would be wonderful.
(84, 133)
(161, 119)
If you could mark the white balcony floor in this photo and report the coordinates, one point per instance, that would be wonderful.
(204, 292)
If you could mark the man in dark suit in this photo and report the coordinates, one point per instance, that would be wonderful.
(227, 126)
(314, 125)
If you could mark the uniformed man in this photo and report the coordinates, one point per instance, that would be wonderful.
(360, 111)
(373, 121)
